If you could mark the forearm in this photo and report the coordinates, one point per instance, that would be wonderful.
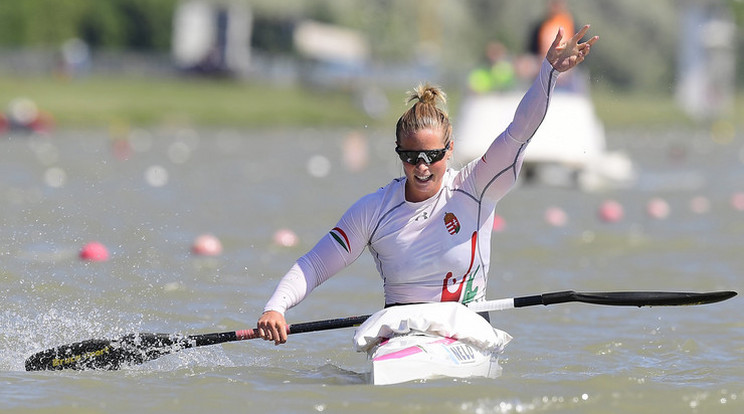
(291, 290)
(534, 105)
(309, 272)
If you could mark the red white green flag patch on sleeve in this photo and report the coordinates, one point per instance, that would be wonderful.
(341, 238)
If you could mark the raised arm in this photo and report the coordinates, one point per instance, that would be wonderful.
(497, 171)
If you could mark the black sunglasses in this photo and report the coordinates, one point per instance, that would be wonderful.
(427, 156)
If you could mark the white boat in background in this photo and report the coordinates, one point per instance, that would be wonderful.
(569, 148)
(429, 341)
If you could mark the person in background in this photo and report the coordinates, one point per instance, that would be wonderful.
(557, 16)
(429, 231)
(497, 74)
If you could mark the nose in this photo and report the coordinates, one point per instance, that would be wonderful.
(421, 165)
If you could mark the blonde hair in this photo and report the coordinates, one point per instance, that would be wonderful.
(425, 113)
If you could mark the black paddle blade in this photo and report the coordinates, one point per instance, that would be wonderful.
(104, 354)
(656, 298)
(642, 298)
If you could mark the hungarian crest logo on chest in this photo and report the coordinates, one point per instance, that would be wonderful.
(451, 223)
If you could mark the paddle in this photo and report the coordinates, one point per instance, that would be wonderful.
(135, 349)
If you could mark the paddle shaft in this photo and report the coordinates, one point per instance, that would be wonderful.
(138, 348)
(630, 298)
(232, 336)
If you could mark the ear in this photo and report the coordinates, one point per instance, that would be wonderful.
(452, 149)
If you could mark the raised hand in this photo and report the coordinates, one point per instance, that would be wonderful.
(564, 55)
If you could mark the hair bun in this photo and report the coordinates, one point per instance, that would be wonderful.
(424, 113)
(427, 94)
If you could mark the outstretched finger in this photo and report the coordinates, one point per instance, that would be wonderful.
(575, 39)
(591, 41)
(558, 38)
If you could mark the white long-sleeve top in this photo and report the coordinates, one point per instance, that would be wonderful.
(434, 250)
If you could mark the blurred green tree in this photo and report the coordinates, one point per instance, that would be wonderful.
(111, 24)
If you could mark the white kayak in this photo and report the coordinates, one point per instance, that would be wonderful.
(420, 356)
(429, 341)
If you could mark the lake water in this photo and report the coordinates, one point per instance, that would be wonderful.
(59, 192)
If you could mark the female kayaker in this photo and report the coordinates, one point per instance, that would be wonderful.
(429, 232)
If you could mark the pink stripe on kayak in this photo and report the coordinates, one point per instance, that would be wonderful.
(411, 351)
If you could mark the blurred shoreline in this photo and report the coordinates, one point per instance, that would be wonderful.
(99, 101)
(146, 90)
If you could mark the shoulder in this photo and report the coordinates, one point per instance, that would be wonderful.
(379, 200)
(391, 190)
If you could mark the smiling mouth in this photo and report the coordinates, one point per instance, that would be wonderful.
(424, 178)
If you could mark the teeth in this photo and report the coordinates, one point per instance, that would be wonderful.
(424, 177)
